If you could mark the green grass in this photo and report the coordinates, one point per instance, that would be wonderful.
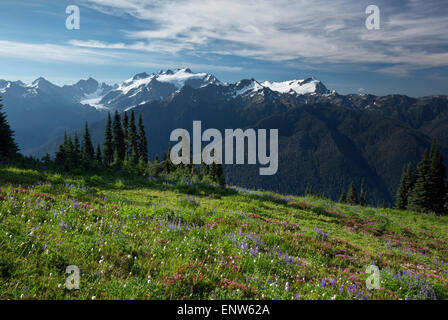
(136, 238)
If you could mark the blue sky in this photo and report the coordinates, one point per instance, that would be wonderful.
(233, 39)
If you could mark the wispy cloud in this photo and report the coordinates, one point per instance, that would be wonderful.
(413, 34)
(53, 53)
(98, 53)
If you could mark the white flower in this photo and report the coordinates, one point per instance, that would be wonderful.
(93, 298)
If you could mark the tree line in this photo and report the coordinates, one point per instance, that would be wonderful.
(425, 188)
(351, 195)
(125, 147)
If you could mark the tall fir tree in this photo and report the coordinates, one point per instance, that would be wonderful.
(98, 155)
(420, 196)
(352, 196)
(343, 197)
(125, 127)
(142, 141)
(69, 151)
(87, 146)
(61, 154)
(118, 137)
(437, 178)
(108, 146)
(8, 147)
(363, 195)
(405, 188)
(133, 139)
(76, 154)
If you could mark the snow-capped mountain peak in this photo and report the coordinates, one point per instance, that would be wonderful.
(145, 87)
(300, 87)
(247, 87)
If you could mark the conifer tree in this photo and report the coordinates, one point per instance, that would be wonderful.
(61, 154)
(8, 147)
(219, 174)
(46, 159)
(118, 137)
(142, 141)
(117, 163)
(108, 147)
(420, 197)
(87, 146)
(133, 139)
(363, 195)
(165, 163)
(406, 185)
(98, 153)
(69, 151)
(343, 198)
(125, 127)
(436, 181)
(76, 154)
(352, 196)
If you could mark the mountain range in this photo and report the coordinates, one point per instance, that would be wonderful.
(326, 140)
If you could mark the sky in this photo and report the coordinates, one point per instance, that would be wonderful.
(273, 40)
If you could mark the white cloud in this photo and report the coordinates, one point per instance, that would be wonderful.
(97, 53)
(315, 31)
(51, 52)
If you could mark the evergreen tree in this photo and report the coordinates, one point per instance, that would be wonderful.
(155, 167)
(61, 154)
(343, 198)
(436, 181)
(117, 163)
(46, 159)
(76, 153)
(8, 147)
(125, 127)
(118, 137)
(142, 166)
(363, 195)
(69, 152)
(143, 143)
(165, 163)
(87, 146)
(98, 153)
(352, 196)
(108, 147)
(219, 174)
(420, 197)
(133, 139)
(406, 185)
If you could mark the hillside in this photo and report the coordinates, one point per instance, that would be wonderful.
(326, 140)
(159, 239)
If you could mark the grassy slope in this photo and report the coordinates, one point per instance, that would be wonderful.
(145, 239)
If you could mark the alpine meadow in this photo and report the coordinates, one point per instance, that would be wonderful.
(228, 159)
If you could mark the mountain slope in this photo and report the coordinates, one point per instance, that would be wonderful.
(325, 141)
(137, 238)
